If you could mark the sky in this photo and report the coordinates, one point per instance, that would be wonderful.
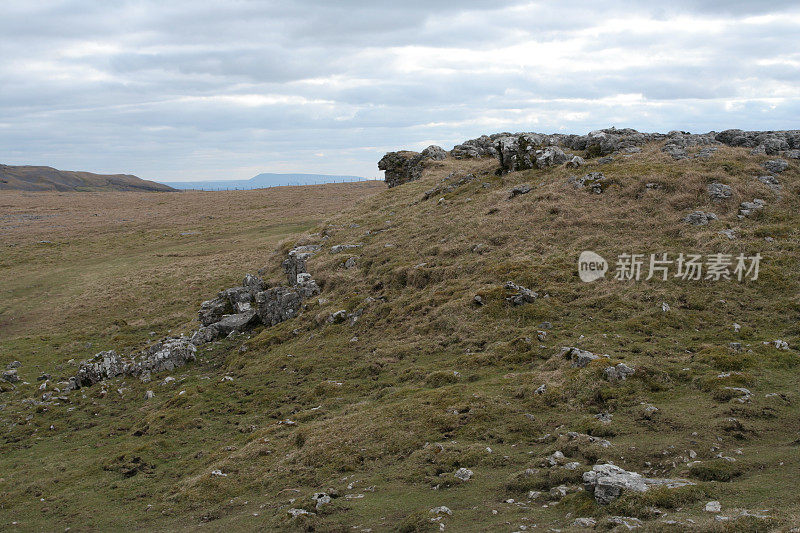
(194, 90)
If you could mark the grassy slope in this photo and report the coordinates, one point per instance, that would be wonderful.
(380, 412)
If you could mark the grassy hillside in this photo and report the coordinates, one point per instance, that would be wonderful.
(37, 178)
(382, 411)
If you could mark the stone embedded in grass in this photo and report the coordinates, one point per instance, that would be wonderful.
(619, 372)
(519, 190)
(580, 358)
(520, 295)
(321, 499)
(296, 513)
(776, 166)
(13, 364)
(342, 247)
(607, 482)
(748, 208)
(596, 182)
(584, 522)
(441, 510)
(10, 376)
(700, 218)
(713, 507)
(464, 474)
(771, 182)
(719, 191)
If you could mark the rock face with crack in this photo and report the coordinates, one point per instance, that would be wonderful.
(607, 482)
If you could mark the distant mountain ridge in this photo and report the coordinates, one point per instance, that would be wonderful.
(36, 178)
(263, 180)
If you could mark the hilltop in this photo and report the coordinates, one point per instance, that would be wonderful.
(33, 178)
(430, 358)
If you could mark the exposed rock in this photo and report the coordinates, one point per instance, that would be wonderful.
(595, 181)
(338, 317)
(295, 262)
(405, 166)
(771, 182)
(464, 474)
(520, 295)
(792, 154)
(234, 323)
(436, 153)
(776, 166)
(675, 151)
(321, 499)
(283, 303)
(700, 218)
(10, 376)
(166, 355)
(625, 521)
(483, 146)
(575, 162)
(584, 522)
(342, 247)
(296, 513)
(619, 372)
(607, 482)
(519, 190)
(719, 191)
(706, 153)
(580, 358)
(13, 364)
(713, 507)
(550, 157)
(441, 510)
(213, 310)
(748, 208)
(350, 263)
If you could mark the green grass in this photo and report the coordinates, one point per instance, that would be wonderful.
(425, 381)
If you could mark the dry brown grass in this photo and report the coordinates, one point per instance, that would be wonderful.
(117, 263)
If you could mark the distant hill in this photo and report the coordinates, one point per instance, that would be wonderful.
(30, 178)
(263, 180)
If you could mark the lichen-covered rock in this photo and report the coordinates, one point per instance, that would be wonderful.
(295, 262)
(719, 191)
(213, 310)
(619, 372)
(404, 166)
(700, 218)
(776, 166)
(596, 182)
(435, 153)
(748, 208)
(166, 355)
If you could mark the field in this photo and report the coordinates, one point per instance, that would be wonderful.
(380, 411)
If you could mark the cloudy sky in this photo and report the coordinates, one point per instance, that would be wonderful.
(197, 89)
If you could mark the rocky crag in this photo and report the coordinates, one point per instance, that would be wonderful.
(523, 151)
(234, 310)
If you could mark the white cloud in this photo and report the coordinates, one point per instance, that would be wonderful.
(196, 89)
